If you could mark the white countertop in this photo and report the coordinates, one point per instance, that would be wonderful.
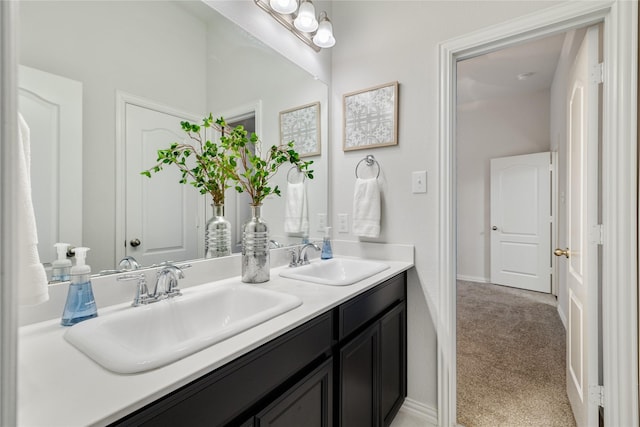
(60, 386)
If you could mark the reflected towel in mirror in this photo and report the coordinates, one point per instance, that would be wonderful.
(366, 208)
(296, 209)
(32, 279)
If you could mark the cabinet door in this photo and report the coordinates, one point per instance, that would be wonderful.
(358, 374)
(393, 362)
(308, 403)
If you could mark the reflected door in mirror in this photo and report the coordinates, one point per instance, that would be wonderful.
(163, 217)
(52, 107)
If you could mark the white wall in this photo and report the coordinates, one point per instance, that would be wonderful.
(109, 46)
(558, 132)
(380, 42)
(485, 130)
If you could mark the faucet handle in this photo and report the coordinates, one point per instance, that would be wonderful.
(142, 292)
(294, 257)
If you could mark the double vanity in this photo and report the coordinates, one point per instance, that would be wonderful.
(292, 351)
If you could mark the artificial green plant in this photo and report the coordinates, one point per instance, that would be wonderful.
(253, 176)
(208, 169)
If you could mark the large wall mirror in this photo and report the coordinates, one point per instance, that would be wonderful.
(103, 84)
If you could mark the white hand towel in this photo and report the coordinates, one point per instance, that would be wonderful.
(296, 209)
(32, 279)
(366, 208)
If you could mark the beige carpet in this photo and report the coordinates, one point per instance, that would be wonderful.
(511, 358)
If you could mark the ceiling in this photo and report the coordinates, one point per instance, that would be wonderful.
(507, 72)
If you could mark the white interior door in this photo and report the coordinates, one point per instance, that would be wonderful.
(582, 231)
(521, 221)
(52, 107)
(163, 218)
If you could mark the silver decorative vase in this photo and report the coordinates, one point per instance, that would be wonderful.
(217, 240)
(255, 248)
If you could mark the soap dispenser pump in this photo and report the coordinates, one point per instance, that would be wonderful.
(61, 267)
(80, 303)
(327, 252)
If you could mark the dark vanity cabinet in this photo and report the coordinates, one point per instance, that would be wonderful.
(346, 367)
(372, 356)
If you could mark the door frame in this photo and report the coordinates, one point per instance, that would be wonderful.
(619, 192)
(9, 217)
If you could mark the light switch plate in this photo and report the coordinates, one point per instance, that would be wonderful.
(343, 223)
(419, 181)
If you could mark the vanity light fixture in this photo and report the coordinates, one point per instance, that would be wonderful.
(284, 6)
(324, 36)
(306, 18)
(300, 19)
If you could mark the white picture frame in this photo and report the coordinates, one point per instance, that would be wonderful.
(370, 117)
(302, 126)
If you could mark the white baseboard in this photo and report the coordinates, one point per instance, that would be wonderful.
(473, 278)
(563, 317)
(416, 409)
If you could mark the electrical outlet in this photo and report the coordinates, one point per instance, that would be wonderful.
(343, 223)
(419, 181)
(322, 221)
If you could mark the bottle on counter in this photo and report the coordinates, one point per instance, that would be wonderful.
(61, 267)
(327, 252)
(80, 303)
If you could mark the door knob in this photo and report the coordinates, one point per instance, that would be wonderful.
(135, 243)
(494, 228)
(560, 252)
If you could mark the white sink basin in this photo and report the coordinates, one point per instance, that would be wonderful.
(141, 338)
(335, 271)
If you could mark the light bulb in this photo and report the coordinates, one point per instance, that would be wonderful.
(284, 6)
(324, 37)
(306, 20)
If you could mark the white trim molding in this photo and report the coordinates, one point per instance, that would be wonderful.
(476, 279)
(619, 170)
(425, 413)
(8, 216)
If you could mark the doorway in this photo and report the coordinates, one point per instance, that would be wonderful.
(505, 223)
(619, 195)
(239, 205)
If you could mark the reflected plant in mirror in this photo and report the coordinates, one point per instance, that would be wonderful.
(256, 169)
(251, 172)
(205, 165)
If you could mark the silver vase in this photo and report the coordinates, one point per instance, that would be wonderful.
(217, 240)
(255, 248)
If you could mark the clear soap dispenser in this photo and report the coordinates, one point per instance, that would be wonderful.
(80, 304)
(61, 267)
(327, 253)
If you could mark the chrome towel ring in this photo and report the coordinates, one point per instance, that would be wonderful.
(289, 177)
(369, 161)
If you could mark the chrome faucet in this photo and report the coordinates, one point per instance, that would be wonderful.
(300, 257)
(275, 243)
(128, 263)
(166, 284)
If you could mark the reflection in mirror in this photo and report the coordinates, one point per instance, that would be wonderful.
(129, 86)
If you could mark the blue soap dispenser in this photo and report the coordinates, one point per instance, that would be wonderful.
(327, 253)
(61, 267)
(80, 304)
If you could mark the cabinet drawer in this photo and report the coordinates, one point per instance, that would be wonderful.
(366, 307)
(224, 394)
(309, 403)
